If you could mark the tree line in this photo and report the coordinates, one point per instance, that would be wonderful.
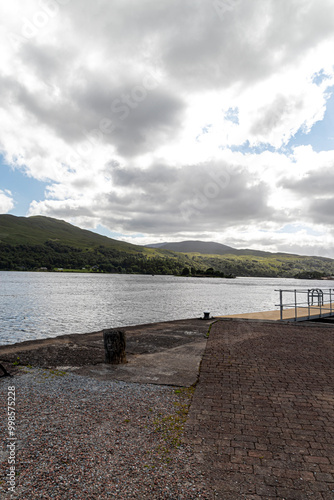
(55, 256)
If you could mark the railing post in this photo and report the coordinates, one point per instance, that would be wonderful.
(317, 304)
(281, 304)
(330, 301)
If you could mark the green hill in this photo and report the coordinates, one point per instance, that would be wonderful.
(247, 262)
(32, 243)
(44, 243)
(38, 230)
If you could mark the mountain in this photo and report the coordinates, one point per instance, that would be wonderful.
(202, 247)
(37, 230)
(210, 248)
(43, 243)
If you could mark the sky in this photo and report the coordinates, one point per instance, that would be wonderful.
(164, 120)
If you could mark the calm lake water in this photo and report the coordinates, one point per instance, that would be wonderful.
(39, 305)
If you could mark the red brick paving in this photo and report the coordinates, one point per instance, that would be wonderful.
(262, 417)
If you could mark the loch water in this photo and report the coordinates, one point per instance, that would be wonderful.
(39, 305)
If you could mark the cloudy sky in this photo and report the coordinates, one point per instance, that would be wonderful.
(159, 120)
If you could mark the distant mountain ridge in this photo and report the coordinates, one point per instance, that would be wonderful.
(38, 242)
(192, 246)
(38, 229)
(211, 248)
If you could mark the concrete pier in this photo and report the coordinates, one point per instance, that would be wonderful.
(291, 314)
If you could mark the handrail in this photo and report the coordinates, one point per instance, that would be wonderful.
(320, 300)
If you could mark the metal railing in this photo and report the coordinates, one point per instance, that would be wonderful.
(306, 304)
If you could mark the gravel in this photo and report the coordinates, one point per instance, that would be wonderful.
(80, 438)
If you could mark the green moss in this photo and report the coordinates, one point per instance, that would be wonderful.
(17, 362)
(209, 330)
(171, 426)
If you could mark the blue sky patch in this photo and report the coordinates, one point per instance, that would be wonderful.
(24, 189)
(319, 77)
(293, 228)
(321, 136)
(232, 115)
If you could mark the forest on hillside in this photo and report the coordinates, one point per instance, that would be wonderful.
(55, 256)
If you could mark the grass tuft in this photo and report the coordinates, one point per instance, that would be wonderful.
(171, 427)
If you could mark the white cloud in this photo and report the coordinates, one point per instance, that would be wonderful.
(123, 108)
(6, 201)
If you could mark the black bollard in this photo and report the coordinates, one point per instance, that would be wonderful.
(114, 346)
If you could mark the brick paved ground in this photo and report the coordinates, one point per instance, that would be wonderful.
(262, 417)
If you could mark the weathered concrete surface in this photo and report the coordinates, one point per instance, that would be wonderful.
(178, 366)
(160, 353)
(262, 417)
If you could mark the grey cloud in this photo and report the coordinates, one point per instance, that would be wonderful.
(194, 48)
(83, 183)
(273, 115)
(130, 176)
(195, 198)
(202, 50)
(151, 116)
(49, 62)
(151, 123)
(135, 125)
(321, 211)
(62, 117)
(301, 25)
(319, 182)
(316, 188)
